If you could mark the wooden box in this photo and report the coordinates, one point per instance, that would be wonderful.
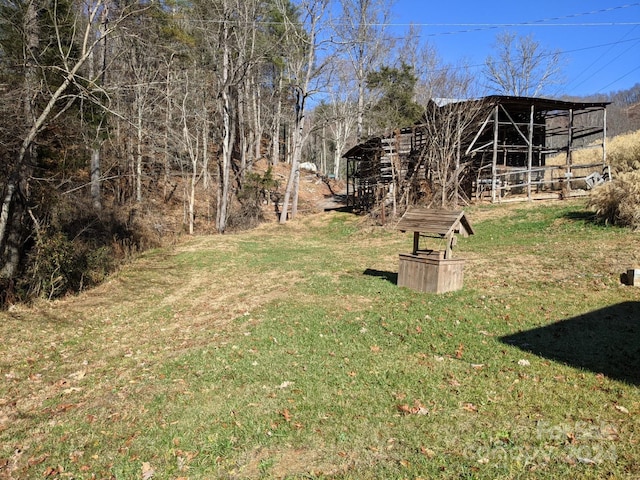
(430, 272)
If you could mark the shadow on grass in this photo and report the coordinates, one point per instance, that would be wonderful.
(390, 277)
(583, 216)
(604, 341)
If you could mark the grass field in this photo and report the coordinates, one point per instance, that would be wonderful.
(289, 352)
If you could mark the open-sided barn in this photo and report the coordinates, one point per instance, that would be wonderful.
(496, 147)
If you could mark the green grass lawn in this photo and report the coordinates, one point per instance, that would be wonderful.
(289, 352)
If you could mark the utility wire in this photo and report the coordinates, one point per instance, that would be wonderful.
(619, 78)
(479, 26)
(559, 52)
(542, 22)
(608, 63)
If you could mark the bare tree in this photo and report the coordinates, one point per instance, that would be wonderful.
(341, 117)
(447, 126)
(194, 128)
(74, 44)
(521, 66)
(303, 68)
(360, 30)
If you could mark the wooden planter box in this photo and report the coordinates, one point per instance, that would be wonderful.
(430, 272)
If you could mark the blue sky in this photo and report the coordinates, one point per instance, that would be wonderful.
(599, 40)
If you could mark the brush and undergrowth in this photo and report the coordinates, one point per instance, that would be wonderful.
(289, 352)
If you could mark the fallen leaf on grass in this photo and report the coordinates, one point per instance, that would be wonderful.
(454, 382)
(79, 375)
(427, 452)
(286, 415)
(417, 409)
(469, 407)
(609, 432)
(67, 391)
(147, 471)
(586, 461)
(622, 409)
(36, 460)
(63, 407)
(53, 471)
(460, 351)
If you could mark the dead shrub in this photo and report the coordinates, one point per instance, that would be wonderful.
(618, 202)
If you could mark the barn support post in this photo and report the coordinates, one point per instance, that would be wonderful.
(348, 178)
(604, 137)
(568, 172)
(530, 153)
(494, 165)
(457, 171)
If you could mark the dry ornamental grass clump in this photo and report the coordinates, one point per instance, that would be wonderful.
(623, 152)
(618, 202)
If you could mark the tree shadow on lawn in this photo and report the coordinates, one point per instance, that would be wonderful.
(390, 277)
(604, 341)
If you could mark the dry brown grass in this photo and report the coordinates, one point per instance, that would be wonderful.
(623, 154)
(618, 202)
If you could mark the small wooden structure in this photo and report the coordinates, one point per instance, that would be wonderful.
(428, 270)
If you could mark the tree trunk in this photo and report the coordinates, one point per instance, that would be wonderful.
(11, 210)
(275, 156)
(95, 178)
(11, 245)
(5, 214)
(225, 165)
(294, 178)
(138, 166)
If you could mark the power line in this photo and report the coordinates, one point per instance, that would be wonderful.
(540, 22)
(619, 78)
(559, 52)
(608, 63)
(479, 26)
